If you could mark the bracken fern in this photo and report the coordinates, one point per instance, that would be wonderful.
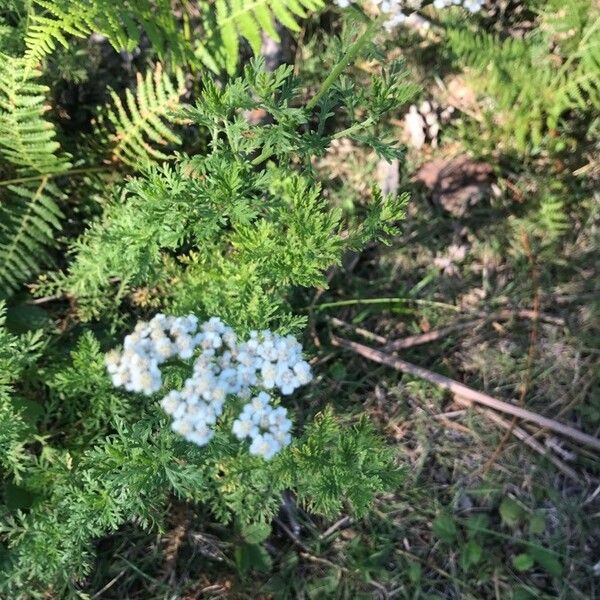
(134, 129)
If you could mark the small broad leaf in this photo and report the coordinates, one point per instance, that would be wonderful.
(444, 527)
(252, 557)
(414, 572)
(522, 562)
(470, 555)
(537, 524)
(547, 560)
(477, 524)
(522, 593)
(511, 512)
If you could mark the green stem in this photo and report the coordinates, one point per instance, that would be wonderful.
(346, 59)
(264, 155)
(355, 301)
(356, 127)
(81, 171)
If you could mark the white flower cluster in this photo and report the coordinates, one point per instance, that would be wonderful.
(267, 427)
(137, 367)
(223, 367)
(402, 12)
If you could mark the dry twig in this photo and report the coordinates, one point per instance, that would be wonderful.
(458, 389)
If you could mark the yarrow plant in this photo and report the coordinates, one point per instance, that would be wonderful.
(224, 367)
(235, 223)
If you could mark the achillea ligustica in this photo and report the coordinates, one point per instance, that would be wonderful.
(223, 366)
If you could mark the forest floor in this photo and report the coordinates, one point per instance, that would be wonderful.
(489, 507)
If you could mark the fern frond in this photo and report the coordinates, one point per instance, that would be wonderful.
(138, 127)
(122, 23)
(581, 87)
(526, 80)
(45, 32)
(239, 19)
(27, 140)
(29, 221)
(29, 213)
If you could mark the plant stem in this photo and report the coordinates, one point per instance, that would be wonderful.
(80, 171)
(346, 59)
(354, 301)
(356, 127)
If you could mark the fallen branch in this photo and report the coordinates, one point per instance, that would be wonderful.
(458, 389)
(425, 338)
(369, 335)
(436, 334)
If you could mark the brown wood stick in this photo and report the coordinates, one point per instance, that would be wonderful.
(430, 336)
(466, 392)
(436, 334)
(526, 313)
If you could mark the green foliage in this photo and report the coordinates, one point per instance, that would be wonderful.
(122, 23)
(94, 483)
(357, 465)
(133, 129)
(529, 81)
(236, 19)
(472, 536)
(17, 354)
(29, 210)
(240, 237)
(219, 31)
(544, 225)
(231, 230)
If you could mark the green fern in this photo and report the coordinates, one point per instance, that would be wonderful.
(237, 19)
(138, 127)
(581, 88)
(122, 23)
(224, 24)
(27, 139)
(29, 213)
(523, 78)
(45, 32)
(29, 221)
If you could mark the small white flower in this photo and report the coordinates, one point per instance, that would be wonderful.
(244, 427)
(264, 445)
(111, 361)
(261, 401)
(181, 426)
(170, 402)
(286, 381)
(269, 374)
(283, 437)
(303, 372)
(224, 366)
(200, 435)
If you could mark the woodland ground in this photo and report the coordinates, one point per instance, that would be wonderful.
(510, 295)
(479, 514)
